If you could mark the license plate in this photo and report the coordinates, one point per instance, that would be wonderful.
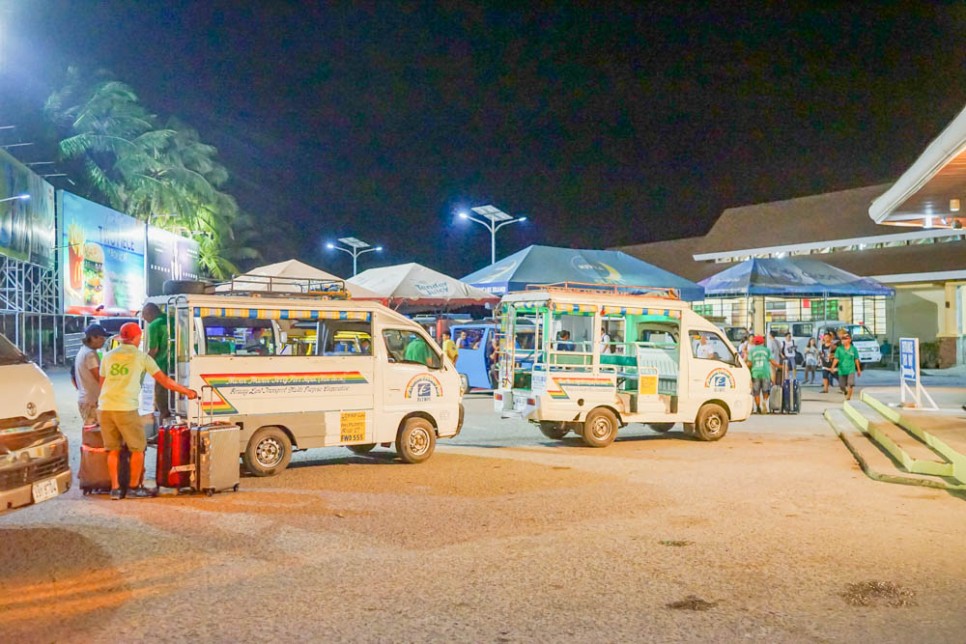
(44, 490)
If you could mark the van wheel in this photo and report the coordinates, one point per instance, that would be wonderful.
(661, 427)
(361, 449)
(553, 430)
(268, 452)
(711, 423)
(600, 427)
(416, 440)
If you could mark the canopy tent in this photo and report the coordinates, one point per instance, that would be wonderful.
(412, 286)
(545, 265)
(791, 277)
(288, 277)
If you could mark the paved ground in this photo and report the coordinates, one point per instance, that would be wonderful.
(772, 534)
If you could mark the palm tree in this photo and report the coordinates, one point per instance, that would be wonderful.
(123, 158)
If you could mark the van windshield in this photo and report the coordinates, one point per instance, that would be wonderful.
(10, 354)
(860, 333)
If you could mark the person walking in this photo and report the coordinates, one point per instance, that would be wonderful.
(157, 348)
(811, 360)
(826, 354)
(121, 372)
(761, 362)
(86, 374)
(847, 363)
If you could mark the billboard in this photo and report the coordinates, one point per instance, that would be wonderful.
(26, 226)
(170, 257)
(102, 258)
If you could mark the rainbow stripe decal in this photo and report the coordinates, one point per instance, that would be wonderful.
(262, 385)
(560, 385)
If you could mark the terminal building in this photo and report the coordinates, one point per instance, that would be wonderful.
(909, 235)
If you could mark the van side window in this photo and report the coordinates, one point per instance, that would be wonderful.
(706, 345)
(238, 336)
(409, 346)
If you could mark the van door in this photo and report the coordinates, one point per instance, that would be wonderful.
(411, 381)
(711, 368)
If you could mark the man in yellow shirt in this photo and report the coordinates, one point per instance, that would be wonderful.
(449, 347)
(122, 371)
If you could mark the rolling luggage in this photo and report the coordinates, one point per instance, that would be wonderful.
(775, 400)
(174, 455)
(791, 394)
(93, 477)
(216, 449)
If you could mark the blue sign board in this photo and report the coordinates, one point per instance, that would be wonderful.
(909, 359)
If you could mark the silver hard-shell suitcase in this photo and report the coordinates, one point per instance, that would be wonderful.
(216, 457)
(214, 452)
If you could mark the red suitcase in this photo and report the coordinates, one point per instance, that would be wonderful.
(174, 455)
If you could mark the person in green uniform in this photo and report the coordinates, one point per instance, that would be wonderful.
(846, 362)
(157, 348)
(761, 362)
(122, 371)
(417, 351)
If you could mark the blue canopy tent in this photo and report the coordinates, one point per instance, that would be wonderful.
(545, 265)
(790, 277)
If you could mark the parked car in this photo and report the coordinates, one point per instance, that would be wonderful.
(34, 463)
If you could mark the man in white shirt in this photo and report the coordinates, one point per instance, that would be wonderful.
(704, 350)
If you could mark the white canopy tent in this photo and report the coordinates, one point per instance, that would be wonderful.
(289, 277)
(413, 286)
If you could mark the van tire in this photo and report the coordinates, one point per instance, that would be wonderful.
(600, 427)
(711, 423)
(361, 449)
(416, 440)
(268, 452)
(183, 287)
(661, 428)
(553, 430)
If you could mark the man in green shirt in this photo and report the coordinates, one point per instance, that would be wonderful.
(122, 371)
(157, 348)
(847, 363)
(761, 362)
(417, 351)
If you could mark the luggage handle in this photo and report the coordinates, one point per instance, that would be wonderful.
(201, 405)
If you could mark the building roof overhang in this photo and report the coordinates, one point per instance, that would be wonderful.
(932, 192)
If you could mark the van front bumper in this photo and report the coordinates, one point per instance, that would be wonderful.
(23, 471)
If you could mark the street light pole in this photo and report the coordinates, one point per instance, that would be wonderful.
(493, 219)
(355, 248)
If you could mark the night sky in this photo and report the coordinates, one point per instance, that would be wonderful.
(627, 123)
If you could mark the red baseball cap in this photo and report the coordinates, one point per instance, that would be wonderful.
(130, 331)
(759, 340)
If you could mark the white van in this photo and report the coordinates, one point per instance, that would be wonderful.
(664, 364)
(302, 372)
(862, 338)
(33, 452)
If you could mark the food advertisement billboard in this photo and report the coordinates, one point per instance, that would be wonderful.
(170, 257)
(102, 253)
(26, 225)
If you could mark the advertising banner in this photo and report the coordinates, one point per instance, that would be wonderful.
(170, 257)
(26, 225)
(102, 253)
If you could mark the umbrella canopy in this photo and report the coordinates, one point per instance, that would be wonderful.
(288, 277)
(412, 286)
(792, 277)
(544, 265)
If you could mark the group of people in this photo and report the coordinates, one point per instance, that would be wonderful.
(770, 360)
(108, 388)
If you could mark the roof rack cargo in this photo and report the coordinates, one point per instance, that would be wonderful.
(274, 286)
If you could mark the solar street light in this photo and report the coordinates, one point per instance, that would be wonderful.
(355, 248)
(493, 219)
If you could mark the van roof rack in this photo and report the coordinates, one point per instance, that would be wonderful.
(610, 289)
(275, 286)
